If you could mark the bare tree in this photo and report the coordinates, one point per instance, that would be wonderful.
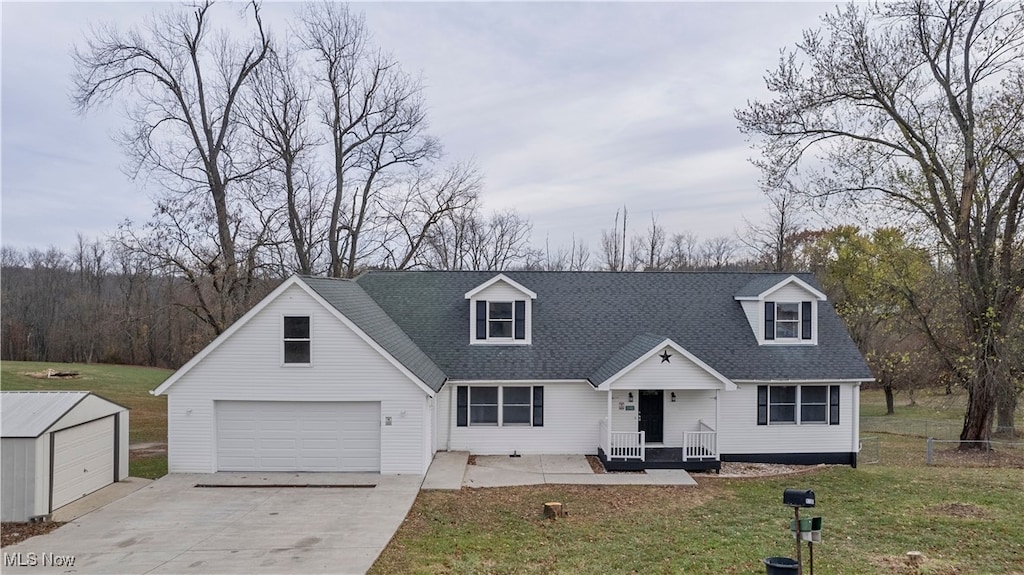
(683, 251)
(647, 252)
(183, 85)
(277, 113)
(415, 211)
(916, 108)
(376, 118)
(717, 253)
(613, 244)
(774, 242)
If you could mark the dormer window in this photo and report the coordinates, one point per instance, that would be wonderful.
(501, 320)
(788, 320)
(500, 312)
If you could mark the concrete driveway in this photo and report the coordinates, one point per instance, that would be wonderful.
(171, 526)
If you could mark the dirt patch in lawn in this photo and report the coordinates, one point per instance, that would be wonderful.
(12, 532)
(901, 565)
(53, 374)
(964, 510)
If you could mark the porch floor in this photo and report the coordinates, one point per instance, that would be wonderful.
(659, 458)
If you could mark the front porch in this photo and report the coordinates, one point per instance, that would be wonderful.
(629, 451)
(663, 410)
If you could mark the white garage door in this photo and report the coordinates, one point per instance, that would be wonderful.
(83, 460)
(298, 436)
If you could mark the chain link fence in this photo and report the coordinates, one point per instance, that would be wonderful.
(957, 453)
(870, 449)
(948, 430)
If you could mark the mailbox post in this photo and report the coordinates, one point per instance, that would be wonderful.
(797, 498)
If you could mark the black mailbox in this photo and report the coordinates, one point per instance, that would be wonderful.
(798, 498)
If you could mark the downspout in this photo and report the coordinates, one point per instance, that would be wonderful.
(448, 436)
(608, 428)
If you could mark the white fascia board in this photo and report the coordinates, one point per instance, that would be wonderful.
(804, 381)
(793, 279)
(500, 277)
(293, 280)
(513, 381)
(728, 384)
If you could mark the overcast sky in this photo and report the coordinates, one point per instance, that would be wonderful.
(571, 110)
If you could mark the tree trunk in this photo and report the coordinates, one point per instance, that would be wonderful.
(1007, 405)
(890, 407)
(981, 402)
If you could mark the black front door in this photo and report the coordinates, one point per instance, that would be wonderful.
(652, 414)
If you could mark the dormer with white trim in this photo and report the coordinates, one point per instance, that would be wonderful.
(782, 312)
(500, 312)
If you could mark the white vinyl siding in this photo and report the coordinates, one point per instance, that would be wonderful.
(246, 367)
(679, 372)
(738, 431)
(572, 412)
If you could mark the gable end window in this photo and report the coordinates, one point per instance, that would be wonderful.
(500, 406)
(797, 404)
(788, 321)
(297, 340)
(500, 321)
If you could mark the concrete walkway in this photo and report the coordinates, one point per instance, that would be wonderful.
(449, 470)
(98, 499)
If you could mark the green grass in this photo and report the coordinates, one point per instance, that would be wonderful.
(931, 404)
(126, 385)
(964, 520)
(153, 467)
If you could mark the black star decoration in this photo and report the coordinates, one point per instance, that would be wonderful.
(665, 355)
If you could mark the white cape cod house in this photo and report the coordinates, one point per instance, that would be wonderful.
(645, 370)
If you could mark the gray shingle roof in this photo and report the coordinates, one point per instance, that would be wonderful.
(587, 323)
(350, 299)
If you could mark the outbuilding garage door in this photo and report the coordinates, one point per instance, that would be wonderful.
(298, 436)
(83, 460)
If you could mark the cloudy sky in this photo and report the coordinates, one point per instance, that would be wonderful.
(571, 110)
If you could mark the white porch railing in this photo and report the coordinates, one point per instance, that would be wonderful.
(624, 444)
(700, 445)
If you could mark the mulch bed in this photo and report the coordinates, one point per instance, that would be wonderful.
(12, 533)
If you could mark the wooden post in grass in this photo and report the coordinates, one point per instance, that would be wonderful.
(553, 510)
(799, 561)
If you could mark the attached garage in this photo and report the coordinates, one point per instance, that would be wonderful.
(298, 436)
(58, 446)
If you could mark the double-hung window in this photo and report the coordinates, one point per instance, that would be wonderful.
(788, 321)
(798, 404)
(504, 406)
(297, 340)
(501, 321)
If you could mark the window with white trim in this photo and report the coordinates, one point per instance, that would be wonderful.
(798, 404)
(500, 321)
(296, 340)
(788, 321)
(501, 406)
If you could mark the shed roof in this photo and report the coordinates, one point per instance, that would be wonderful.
(31, 413)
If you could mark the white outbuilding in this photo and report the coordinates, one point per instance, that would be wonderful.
(58, 446)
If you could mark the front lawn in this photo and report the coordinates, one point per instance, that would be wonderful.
(964, 520)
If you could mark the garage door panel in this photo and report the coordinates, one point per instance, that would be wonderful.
(83, 460)
(298, 436)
